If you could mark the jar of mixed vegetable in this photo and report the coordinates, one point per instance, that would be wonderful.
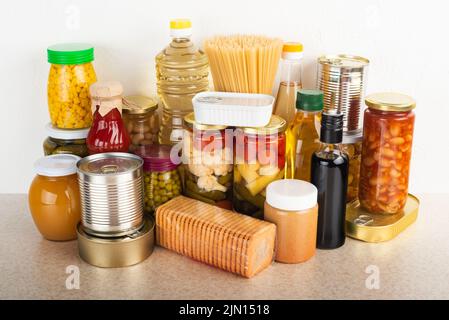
(161, 176)
(259, 160)
(352, 146)
(208, 162)
(386, 152)
(66, 141)
(141, 120)
(71, 74)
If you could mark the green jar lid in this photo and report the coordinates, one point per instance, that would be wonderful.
(70, 53)
(309, 100)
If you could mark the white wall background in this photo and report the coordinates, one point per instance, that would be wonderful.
(406, 42)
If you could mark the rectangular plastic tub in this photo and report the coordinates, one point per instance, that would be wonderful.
(233, 109)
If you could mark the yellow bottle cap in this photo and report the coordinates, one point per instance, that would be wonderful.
(180, 24)
(292, 47)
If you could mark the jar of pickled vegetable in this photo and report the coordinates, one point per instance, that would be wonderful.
(141, 120)
(352, 146)
(259, 159)
(66, 141)
(208, 163)
(386, 152)
(161, 176)
(71, 74)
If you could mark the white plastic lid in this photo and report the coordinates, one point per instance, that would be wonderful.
(291, 195)
(57, 165)
(66, 134)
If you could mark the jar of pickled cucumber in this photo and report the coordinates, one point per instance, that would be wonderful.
(161, 176)
(208, 163)
(259, 160)
(352, 146)
(66, 141)
(71, 74)
(141, 120)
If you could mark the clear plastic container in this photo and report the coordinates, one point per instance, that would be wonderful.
(208, 163)
(182, 71)
(71, 74)
(386, 152)
(290, 80)
(141, 120)
(161, 177)
(259, 160)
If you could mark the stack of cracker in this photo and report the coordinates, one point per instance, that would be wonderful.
(216, 236)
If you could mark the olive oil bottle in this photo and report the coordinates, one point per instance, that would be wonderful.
(303, 134)
(329, 174)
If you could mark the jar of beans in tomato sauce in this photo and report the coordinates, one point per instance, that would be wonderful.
(386, 152)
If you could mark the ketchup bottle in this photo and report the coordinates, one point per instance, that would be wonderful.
(108, 132)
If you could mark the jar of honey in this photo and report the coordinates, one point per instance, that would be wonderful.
(54, 197)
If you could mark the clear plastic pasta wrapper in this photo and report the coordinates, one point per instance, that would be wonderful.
(218, 237)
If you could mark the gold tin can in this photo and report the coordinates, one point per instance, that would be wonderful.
(120, 251)
(365, 226)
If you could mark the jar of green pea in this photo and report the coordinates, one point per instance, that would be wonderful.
(161, 176)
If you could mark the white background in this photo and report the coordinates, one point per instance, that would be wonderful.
(406, 42)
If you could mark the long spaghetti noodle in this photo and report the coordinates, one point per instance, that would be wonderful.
(243, 63)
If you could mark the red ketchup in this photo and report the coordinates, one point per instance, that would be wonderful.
(108, 132)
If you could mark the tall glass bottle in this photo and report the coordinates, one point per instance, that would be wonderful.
(182, 71)
(285, 105)
(303, 134)
(329, 174)
(290, 81)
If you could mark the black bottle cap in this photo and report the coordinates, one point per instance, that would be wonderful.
(331, 128)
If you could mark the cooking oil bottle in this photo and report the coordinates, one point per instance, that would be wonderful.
(303, 134)
(182, 71)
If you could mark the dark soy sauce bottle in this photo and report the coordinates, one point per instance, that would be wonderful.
(329, 174)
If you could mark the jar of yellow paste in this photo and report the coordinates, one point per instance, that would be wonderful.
(71, 74)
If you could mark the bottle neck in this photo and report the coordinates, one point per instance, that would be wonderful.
(291, 71)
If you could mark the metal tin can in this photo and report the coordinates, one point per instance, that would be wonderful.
(111, 190)
(366, 226)
(342, 78)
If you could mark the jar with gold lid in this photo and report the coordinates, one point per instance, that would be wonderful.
(386, 152)
(141, 120)
(259, 160)
(208, 156)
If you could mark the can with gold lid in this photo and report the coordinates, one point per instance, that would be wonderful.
(141, 120)
(120, 251)
(111, 190)
(363, 225)
(342, 78)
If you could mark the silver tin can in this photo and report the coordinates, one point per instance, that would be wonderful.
(342, 78)
(112, 193)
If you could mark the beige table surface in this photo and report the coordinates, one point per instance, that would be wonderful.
(413, 265)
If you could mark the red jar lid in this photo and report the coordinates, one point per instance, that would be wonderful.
(156, 158)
